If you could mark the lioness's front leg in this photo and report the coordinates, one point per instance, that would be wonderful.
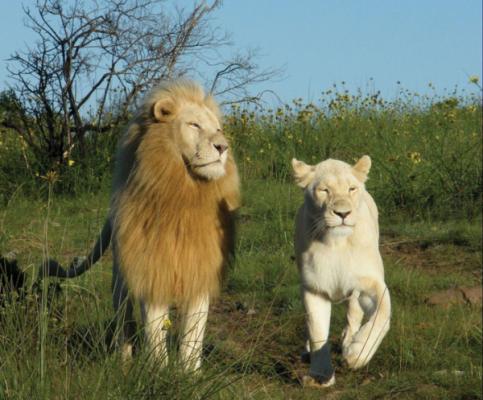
(194, 322)
(366, 341)
(318, 310)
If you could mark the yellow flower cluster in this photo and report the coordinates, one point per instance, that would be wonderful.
(415, 157)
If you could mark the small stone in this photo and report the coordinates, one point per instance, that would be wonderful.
(251, 311)
(366, 381)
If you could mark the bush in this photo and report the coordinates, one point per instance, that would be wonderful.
(426, 155)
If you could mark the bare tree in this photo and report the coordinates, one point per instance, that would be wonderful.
(93, 59)
(234, 77)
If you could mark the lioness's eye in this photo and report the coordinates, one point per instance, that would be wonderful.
(352, 189)
(195, 125)
(324, 190)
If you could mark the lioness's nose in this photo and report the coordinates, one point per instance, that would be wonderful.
(221, 148)
(342, 214)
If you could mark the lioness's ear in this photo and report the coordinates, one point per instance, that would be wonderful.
(303, 173)
(164, 110)
(361, 168)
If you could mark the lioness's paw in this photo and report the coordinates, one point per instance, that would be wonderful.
(318, 382)
(354, 355)
(346, 337)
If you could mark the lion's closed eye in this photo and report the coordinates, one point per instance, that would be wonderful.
(194, 125)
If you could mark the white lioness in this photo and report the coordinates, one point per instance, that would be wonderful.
(337, 252)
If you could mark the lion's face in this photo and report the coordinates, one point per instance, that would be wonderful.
(333, 191)
(198, 136)
(201, 141)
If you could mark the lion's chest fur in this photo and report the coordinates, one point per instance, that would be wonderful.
(172, 243)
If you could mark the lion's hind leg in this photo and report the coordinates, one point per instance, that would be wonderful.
(194, 323)
(125, 327)
(366, 341)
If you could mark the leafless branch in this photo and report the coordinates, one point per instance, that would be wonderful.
(94, 59)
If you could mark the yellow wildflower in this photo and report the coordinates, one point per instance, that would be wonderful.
(70, 163)
(415, 157)
(51, 176)
(167, 324)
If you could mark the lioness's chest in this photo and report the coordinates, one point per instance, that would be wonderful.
(331, 271)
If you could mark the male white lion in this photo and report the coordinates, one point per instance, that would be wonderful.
(175, 189)
(337, 252)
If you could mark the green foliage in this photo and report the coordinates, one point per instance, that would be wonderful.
(426, 155)
(255, 331)
(426, 179)
(426, 151)
(22, 172)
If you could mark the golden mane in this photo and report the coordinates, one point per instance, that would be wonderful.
(173, 232)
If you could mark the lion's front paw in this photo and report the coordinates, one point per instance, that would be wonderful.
(318, 382)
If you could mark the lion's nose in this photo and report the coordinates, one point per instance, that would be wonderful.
(342, 214)
(221, 148)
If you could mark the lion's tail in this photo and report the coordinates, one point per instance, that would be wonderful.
(79, 265)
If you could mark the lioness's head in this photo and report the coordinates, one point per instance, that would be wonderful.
(193, 121)
(332, 192)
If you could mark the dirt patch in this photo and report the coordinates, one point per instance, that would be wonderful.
(433, 257)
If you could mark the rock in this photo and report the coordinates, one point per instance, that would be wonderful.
(454, 372)
(460, 295)
(446, 298)
(472, 295)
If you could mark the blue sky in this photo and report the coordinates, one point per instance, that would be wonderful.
(321, 42)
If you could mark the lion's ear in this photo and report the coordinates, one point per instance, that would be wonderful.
(164, 110)
(303, 173)
(361, 168)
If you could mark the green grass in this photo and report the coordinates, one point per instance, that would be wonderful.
(249, 355)
(426, 179)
